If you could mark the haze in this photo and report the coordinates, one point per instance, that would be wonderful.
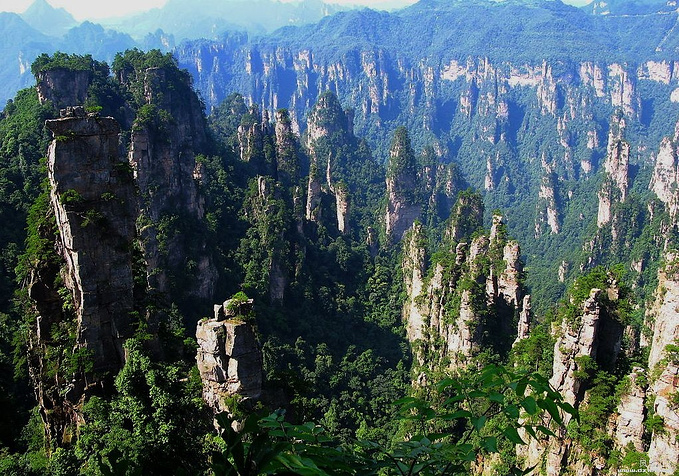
(88, 10)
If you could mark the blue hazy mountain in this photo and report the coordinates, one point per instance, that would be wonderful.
(48, 20)
(211, 18)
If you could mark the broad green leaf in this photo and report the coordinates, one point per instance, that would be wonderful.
(529, 405)
(511, 411)
(550, 406)
(496, 397)
(479, 422)
(489, 443)
(545, 430)
(513, 435)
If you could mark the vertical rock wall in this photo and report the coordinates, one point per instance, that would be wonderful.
(229, 358)
(163, 151)
(663, 365)
(92, 197)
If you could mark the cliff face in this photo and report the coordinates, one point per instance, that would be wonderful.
(532, 133)
(163, 147)
(92, 196)
(92, 193)
(63, 87)
(616, 171)
(666, 172)
(663, 365)
(597, 337)
(591, 338)
(403, 187)
(464, 303)
(329, 134)
(229, 357)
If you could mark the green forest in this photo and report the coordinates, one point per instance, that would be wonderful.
(382, 352)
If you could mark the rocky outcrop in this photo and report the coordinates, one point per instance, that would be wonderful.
(229, 357)
(262, 211)
(414, 267)
(343, 207)
(287, 150)
(92, 198)
(631, 413)
(329, 130)
(403, 188)
(548, 211)
(591, 338)
(466, 217)
(616, 168)
(162, 152)
(524, 325)
(573, 344)
(314, 196)
(63, 87)
(665, 179)
(448, 315)
(92, 193)
(663, 364)
(257, 140)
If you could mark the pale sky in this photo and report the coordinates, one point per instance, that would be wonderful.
(97, 9)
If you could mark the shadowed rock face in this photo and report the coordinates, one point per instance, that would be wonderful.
(92, 194)
(449, 313)
(229, 358)
(92, 198)
(163, 156)
(63, 87)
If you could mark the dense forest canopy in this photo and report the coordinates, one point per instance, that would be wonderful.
(378, 311)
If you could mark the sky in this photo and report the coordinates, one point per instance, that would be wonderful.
(97, 9)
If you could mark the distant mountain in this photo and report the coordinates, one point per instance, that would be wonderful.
(211, 18)
(21, 45)
(28, 42)
(48, 20)
(630, 7)
(92, 38)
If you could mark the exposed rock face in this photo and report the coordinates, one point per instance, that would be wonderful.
(413, 271)
(616, 166)
(629, 423)
(523, 330)
(162, 152)
(229, 358)
(287, 163)
(575, 343)
(400, 214)
(547, 207)
(257, 141)
(665, 178)
(314, 196)
(509, 282)
(595, 336)
(403, 202)
(446, 317)
(663, 452)
(466, 217)
(664, 448)
(329, 129)
(327, 119)
(63, 87)
(92, 197)
(260, 209)
(342, 205)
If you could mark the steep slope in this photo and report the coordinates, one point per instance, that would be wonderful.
(48, 20)
(86, 303)
(531, 132)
